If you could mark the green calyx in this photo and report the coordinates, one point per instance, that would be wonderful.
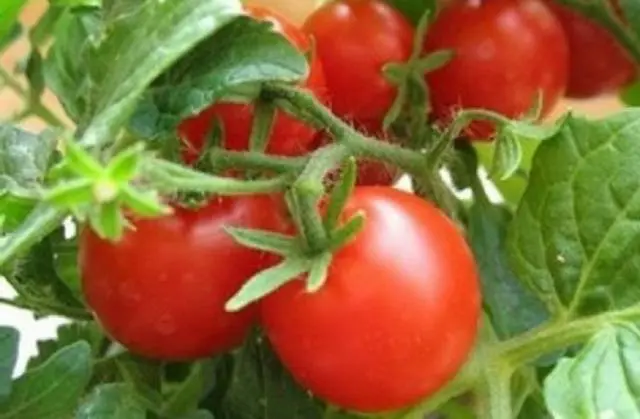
(310, 252)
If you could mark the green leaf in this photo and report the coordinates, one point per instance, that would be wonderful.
(413, 9)
(631, 12)
(267, 282)
(247, 52)
(65, 67)
(185, 396)
(512, 307)
(265, 241)
(108, 221)
(69, 334)
(506, 159)
(9, 13)
(9, 339)
(35, 75)
(41, 32)
(112, 401)
(34, 277)
(169, 29)
(261, 388)
(145, 376)
(52, 390)
(512, 188)
(24, 161)
(199, 414)
(575, 239)
(603, 381)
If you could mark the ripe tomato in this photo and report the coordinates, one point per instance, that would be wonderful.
(597, 63)
(397, 316)
(354, 40)
(289, 137)
(161, 290)
(506, 51)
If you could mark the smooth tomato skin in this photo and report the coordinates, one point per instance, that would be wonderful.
(289, 136)
(506, 51)
(354, 39)
(161, 290)
(397, 316)
(597, 63)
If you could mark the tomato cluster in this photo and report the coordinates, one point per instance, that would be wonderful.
(399, 312)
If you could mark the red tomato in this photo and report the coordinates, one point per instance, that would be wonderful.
(397, 316)
(506, 51)
(161, 290)
(370, 172)
(289, 137)
(354, 40)
(597, 63)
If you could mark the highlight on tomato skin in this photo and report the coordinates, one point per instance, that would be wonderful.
(397, 317)
(289, 136)
(161, 290)
(506, 53)
(597, 63)
(355, 39)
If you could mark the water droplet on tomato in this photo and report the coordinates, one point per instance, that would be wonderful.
(128, 292)
(166, 325)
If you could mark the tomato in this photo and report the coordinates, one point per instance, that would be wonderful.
(397, 316)
(370, 172)
(161, 290)
(506, 51)
(354, 40)
(289, 137)
(597, 63)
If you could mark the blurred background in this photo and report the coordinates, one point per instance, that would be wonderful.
(10, 104)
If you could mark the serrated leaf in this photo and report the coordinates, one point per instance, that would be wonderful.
(68, 334)
(9, 339)
(506, 159)
(33, 275)
(575, 239)
(52, 390)
(247, 52)
(603, 381)
(184, 397)
(111, 401)
(266, 282)
(512, 307)
(24, 161)
(261, 388)
(9, 12)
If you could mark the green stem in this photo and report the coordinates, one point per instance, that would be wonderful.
(307, 191)
(35, 108)
(42, 221)
(360, 145)
(170, 176)
(495, 395)
(556, 336)
(225, 159)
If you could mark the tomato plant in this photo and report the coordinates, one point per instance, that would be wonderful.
(160, 291)
(288, 137)
(506, 52)
(380, 334)
(267, 281)
(597, 63)
(355, 40)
